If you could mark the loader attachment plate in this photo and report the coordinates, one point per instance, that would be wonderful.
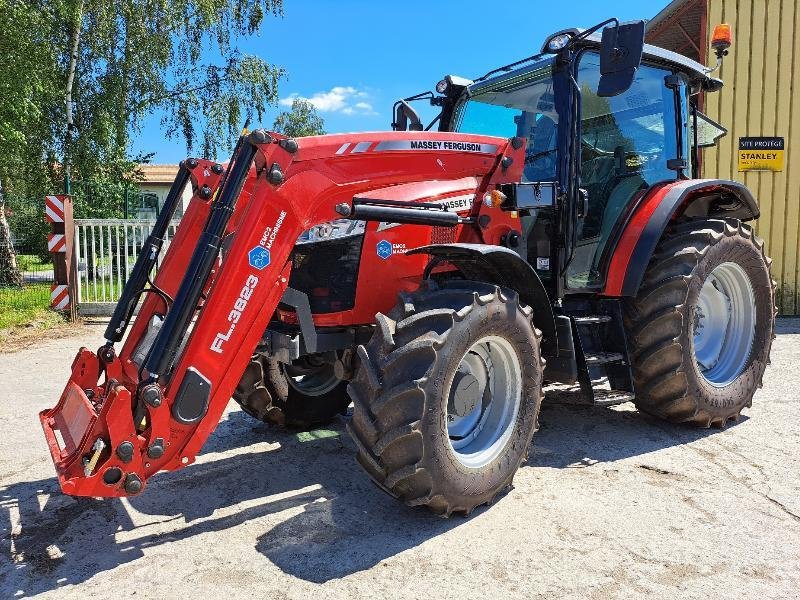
(81, 432)
(71, 418)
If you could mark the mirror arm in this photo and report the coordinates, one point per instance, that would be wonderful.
(402, 114)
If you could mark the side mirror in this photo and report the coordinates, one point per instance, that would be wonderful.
(621, 50)
(403, 113)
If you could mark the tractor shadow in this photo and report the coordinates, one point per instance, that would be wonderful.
(339, 522)
(574, 435)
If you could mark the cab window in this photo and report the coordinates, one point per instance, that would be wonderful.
(625, 142)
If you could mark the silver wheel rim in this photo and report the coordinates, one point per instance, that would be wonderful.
(315, 382)
(724, 324)
(483, 400)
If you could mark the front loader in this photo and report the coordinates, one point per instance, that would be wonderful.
(549, 230)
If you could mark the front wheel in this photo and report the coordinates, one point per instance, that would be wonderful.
(702, 324)
(447, 395)
(302, 395)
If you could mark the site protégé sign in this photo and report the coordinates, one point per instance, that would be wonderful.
(761, 153)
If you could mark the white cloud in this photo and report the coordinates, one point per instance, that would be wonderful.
(344, 99)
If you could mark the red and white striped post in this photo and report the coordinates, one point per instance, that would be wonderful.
(58, 211)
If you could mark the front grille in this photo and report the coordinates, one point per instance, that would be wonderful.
(443, 235)
(327, 272)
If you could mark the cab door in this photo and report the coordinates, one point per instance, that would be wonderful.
(627, 143)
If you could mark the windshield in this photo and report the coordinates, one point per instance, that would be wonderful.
(521, 104)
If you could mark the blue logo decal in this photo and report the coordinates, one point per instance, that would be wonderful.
(384, 249)
(259, 257)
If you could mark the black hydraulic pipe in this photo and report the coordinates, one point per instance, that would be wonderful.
(411, 216)
(147, 256)
(162, 354)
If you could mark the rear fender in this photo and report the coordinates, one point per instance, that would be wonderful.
(503, 267)
(661, 205)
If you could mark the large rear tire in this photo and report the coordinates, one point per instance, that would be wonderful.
(702, 324)
(447, 394)
(303, 395)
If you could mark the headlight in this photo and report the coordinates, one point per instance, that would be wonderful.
(558, 42)
(340, 228)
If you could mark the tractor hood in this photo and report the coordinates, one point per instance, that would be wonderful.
(388, 143)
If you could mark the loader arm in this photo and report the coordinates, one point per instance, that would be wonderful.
(122, 418)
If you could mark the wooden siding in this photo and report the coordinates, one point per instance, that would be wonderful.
(759, 99)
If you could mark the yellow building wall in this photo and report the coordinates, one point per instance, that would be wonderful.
(760, 99)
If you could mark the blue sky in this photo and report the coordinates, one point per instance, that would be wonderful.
(353, 58)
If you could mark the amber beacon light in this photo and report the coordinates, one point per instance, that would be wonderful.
(722, 39)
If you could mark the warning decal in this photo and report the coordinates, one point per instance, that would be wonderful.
(761, 153)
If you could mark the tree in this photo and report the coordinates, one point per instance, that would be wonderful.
(103, 67)
(300, 121)
(118, 62)
(9, 272)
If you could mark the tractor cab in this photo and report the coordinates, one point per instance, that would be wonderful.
(605, 118)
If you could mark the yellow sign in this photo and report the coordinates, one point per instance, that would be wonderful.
(761, 153)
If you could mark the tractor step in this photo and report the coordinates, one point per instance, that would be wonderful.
(612, 397)
(601, 351)
(603, 358)
(592, 320)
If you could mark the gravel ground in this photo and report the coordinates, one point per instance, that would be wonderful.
(611, 503)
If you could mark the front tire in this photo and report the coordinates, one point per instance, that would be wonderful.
(702, 324)
(447, 395)
(303, 395)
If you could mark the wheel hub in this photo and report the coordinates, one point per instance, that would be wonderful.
(723, 324)
(483, 401)
(312, 375)
(465, 396)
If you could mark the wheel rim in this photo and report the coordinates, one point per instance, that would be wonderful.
(483, 401)
(311, 379)
(724, 324)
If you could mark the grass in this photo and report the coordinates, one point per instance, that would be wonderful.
(30, 263)
(26, 319)
(26, 305)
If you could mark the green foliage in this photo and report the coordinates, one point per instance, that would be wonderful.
(135, 57)
(31, 88)
(26, 305)
(27, 222)
(301, 120)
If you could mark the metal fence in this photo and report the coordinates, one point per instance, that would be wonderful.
(22, 303)
(106, 251)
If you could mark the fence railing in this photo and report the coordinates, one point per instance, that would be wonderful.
(106, 251)
(22, 303)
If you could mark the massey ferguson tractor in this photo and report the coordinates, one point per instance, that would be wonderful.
(546, 226)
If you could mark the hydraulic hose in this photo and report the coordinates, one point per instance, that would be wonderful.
(162, 354)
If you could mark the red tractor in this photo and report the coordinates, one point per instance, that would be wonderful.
(550, 229)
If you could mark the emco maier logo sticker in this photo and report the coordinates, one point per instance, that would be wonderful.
(384, 249)
(259, 257)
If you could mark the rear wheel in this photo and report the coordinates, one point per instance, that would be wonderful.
(447, 395)
(302, 395)
(702, 324)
